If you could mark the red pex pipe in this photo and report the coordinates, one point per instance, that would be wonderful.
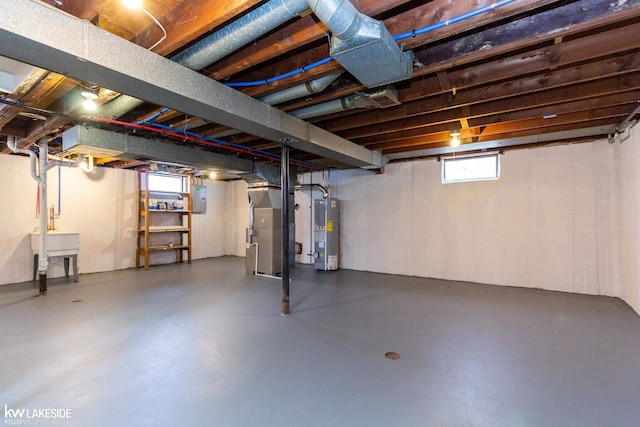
(193, 139)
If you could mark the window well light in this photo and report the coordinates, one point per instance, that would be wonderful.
(455, 138)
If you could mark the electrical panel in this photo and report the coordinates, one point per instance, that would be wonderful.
(199, 203)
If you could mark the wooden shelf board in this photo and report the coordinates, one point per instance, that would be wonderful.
(166, 248)
(168, 229)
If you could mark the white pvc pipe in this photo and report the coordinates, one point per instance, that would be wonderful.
(43, 263)
(255, 270)
(13, 146)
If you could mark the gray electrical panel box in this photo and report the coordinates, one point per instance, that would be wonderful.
(327, 234)
(199, 202)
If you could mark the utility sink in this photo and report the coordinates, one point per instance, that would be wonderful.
(59, 243)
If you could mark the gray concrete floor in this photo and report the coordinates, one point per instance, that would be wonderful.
(204, 345)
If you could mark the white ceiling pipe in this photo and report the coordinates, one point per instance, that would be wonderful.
(43, 261)
(627, 122)
(13, 146)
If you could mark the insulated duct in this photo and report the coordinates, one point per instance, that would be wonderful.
(347, 103)
(299, 91)
(240, 32)
(220, 44)
(362, 45)
(302, 90)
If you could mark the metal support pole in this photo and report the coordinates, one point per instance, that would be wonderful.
(284, 186)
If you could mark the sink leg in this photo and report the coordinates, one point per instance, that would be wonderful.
(66, 267)
(75, 267)
(43, 284)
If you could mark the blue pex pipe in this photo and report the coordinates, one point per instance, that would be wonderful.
(153, 117)
(282, 76)
(401, 36)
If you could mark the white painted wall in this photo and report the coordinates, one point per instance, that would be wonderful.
(236, 218)
(102, 207)
(563, 218)
(627, 182)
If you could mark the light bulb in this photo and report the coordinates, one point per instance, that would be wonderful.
(133, 4)
(212, 175)
(89, 104)
(455, 141)
(89, 94)
(89, 99)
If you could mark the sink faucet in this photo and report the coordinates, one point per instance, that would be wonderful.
(52, 222)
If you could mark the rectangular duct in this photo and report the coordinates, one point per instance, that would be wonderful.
(102, 143)
(372, 56)
(383, 98)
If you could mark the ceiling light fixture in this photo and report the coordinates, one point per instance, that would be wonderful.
(212, 175)
(455, 138)
(133, 4)
(137, 4)
(90, 97)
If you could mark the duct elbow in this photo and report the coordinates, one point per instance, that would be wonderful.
(340, 16)
(363, 45)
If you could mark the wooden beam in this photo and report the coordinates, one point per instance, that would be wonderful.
(572, 76)
(190, 20)
(624, 101)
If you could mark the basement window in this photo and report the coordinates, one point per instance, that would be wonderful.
(483, 167)
(168, 183)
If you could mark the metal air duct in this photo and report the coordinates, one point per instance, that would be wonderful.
(102, 143)
(302, 90)
(220, 44)
(347, 103)
(240, 32)
(362, 45)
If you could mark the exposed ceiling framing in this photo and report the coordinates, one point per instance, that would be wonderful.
(527, 73)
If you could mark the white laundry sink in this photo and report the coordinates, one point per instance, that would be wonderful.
(59, 243)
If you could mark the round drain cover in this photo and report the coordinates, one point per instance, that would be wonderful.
(392, 355)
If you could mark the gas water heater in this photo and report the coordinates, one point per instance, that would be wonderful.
(327, 234)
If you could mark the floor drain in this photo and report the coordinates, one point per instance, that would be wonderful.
(392, 355)
(77, 300)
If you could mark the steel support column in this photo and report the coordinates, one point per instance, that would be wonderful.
(284, 189)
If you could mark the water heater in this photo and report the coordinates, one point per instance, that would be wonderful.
(327, 234)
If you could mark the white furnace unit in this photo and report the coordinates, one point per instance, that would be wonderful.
(327, 234)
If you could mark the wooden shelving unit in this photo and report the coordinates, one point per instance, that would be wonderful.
(163, 229)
